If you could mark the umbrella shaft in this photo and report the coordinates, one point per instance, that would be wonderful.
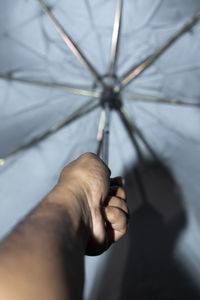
(105, 142)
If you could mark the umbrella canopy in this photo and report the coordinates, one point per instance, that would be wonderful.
(58, 58)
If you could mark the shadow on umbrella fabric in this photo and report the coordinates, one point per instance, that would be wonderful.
(144, 265)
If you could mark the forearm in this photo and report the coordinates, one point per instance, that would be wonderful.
(85, 213)
(43, 257)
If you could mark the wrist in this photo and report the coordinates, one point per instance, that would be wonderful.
(72, 203)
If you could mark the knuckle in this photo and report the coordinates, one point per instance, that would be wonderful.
(89, 155)
(122, 225)
(113, 213)
(121, 192)
(119, 215)
(83, 157)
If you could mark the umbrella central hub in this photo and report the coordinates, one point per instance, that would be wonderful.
(110, 97)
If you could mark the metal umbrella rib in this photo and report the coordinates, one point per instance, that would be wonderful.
(61, 86)
(135, 71)
(115, 38)
(140, 156)
(138, 97)
(111, 89)
(80, 112)
(131, 135)
(71, 44)
(135, 129)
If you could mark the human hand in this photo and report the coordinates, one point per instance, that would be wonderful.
(102, 200)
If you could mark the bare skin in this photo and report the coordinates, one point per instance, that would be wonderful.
(43, 258)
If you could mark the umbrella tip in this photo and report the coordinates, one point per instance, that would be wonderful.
(2, 161)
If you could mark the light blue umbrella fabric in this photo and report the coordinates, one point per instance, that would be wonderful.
(31, 48)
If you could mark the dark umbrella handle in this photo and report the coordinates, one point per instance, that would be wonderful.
(105, 142)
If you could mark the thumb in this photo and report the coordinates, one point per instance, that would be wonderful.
(98, 242)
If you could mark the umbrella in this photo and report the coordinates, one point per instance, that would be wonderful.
(71, 82)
